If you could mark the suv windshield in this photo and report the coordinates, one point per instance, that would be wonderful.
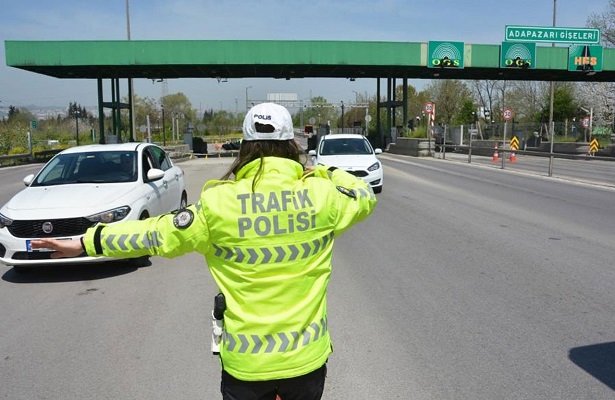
(345, 147)
(95, 167)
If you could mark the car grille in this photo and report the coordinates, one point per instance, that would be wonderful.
(358, 174)
(34, 255)
(61, 227)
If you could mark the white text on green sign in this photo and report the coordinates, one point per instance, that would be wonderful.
(552, 34)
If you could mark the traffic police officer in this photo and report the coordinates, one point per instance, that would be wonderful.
(267, 237)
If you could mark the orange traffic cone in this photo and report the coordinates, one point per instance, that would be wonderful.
(513, 157)
(496, 156)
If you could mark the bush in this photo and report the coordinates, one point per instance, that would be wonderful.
(18, 150)
(418, 133)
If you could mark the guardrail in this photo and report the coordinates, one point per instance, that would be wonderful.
(36, 157)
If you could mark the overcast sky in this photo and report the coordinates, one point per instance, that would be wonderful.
(469, 21)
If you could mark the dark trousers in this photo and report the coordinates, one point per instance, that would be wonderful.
(305, 387)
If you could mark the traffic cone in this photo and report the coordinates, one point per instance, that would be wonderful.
(496, 156)
(513, 157)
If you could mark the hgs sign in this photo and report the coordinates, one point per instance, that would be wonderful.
(585, 58)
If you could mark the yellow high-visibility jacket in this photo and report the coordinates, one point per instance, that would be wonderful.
(268, 250)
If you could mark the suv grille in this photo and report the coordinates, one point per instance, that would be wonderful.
(61, 227)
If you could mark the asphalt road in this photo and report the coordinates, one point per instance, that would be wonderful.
(467, 283)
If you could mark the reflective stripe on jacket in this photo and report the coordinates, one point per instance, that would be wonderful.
(269, 251)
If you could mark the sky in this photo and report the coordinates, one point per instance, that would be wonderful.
(469, 21)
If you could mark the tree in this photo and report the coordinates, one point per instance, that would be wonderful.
(564, 105)
(76, 109)
(449, 95)
(219, 122)
(525, 98)
(321, 110)
(606, 23)
(13, 111)
(144, 107)
(177, 106)
(487, 95)
(598, 97)
(465, 115)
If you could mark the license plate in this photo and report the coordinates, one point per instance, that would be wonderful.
(30, 250)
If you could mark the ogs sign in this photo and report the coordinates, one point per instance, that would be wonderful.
(446, 55)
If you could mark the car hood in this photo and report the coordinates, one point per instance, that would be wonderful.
(66, 201)
(349, 162)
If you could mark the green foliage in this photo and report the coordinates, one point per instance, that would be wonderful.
(18, 150)
(76, 110)
(449, 95)
(465, 115)
(564, 105)
(418, 133)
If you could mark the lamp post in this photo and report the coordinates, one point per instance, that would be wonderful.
(164, 134)
(248, 87)
(552, 95)
(342, 117)
(131, 94)
(77, 114)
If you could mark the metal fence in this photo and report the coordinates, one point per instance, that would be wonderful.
(528, 134)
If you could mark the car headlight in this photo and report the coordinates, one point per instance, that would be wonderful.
(117, 214)
(374, 167)
(4, 221)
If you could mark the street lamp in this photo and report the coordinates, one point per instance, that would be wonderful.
(131, 93)
(77, 114)
(342, 117)
(164, 134)
(249, 87)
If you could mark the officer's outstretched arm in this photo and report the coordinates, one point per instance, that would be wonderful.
(353, 198)
(168, 235)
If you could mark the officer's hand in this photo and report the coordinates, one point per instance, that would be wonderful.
(308, 169)
(61, 248)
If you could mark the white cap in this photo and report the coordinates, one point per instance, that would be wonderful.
(268, 114)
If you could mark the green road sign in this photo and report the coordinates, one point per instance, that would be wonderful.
(518, 55)
(585, 58)
(446, 54)
(33, 124)
(515, 33)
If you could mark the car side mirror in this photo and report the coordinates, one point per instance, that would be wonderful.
(28, 179)
(378, 151)
(312, 152)
(154, 174)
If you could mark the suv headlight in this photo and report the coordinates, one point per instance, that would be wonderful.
(374, 167)
(117, 214)
(4, 221)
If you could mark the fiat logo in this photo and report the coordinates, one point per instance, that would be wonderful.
(47, 227)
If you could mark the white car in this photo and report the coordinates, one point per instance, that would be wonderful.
(352, 153)
(81, 187)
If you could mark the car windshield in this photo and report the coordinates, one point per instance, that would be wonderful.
(345, 146)
(94, 167)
